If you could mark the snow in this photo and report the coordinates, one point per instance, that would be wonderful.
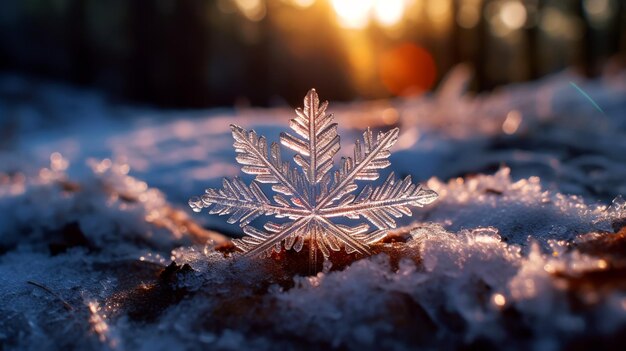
(522, 248)
(114, 210)
(517, 209)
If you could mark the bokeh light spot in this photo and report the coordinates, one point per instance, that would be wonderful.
(512, 122)
(513, 14)
(468, 15)
(407, 70)
(499, 300)
(390, 116)
(599, 12)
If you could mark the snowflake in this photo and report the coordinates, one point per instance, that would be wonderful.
(312, 197)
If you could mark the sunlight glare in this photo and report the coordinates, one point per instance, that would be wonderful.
(353, 13)
(389, 12)
(303, 3)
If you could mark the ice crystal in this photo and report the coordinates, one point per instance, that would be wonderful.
(312, 197)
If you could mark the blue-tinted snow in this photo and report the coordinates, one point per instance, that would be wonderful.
(521, 172)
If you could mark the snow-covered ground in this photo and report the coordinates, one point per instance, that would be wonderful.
(525, 248)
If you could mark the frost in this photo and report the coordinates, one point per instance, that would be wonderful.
(310, 199)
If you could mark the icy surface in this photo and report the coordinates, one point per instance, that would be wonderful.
(525, 247)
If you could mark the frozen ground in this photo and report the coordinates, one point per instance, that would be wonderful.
(526, 247)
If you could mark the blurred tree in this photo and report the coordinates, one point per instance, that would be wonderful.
(193, 53)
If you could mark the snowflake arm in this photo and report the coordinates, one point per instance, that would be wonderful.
(258, 243)
(243, 203)
(346, 236)
(382, 204)
(365, 165)
(252, 154)
(318, 142)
